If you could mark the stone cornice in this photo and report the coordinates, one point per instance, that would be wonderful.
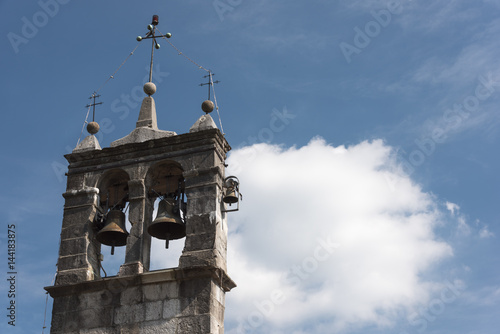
(152, 277)
(152, 150)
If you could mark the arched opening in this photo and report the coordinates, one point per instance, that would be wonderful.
(112, 224)
(167, 227)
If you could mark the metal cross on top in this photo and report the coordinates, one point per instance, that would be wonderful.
(210, 82)
(93, 104)
(151, 34)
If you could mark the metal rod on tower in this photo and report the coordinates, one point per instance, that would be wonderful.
(154, 43)
(94, 96)
(209, 83)
(151, 64)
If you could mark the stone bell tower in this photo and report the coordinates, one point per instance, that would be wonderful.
(186, 172)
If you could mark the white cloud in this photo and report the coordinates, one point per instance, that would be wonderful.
(298, 200)
(485, 233)
(462, 227)
(488, 296)
(452, 207)
(477, 56)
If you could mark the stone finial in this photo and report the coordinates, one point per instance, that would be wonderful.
(93, 127)
(149, 88)
(147, 114)
(89, 143)
(146, 127)
(207, 106)
(205, 122)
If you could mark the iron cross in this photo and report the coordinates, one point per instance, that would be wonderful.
(210, 82)
(151, 34)
(94, 96)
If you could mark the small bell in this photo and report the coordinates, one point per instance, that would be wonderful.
(231, 197)
(231, 190)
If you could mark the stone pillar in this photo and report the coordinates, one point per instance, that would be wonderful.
(139, 243)
(206, 235)
(78, 253)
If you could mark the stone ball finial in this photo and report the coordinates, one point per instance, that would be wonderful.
(207, 106)
(93, 128)
(149, 88)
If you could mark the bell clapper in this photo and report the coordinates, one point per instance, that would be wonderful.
(113, 250)
(167, 239)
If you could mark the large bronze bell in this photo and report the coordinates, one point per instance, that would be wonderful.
(168, 224)
(114, 232)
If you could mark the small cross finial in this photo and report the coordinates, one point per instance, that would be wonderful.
(93, 104)
(210, 82)
(151, 34)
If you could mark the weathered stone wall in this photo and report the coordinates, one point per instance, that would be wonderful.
(166, 301)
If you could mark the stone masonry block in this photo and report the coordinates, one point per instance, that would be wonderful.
(199, 224)
(171, 308)
(67, 277)
(198, 258)
(65, 322)
(66, 304)
(156, 327)
(199, 241)
(218, 294)
(194, 180)
(78, 216)
(201, 205)
(201, 160)
(217, 310)
(95, 299)
(195, 287)
(72, 262)
(75, 199)
(216, 327)
(136, 212)
(117, 286)
(73, 246)
(160, 291)
(197, 324)
(131, 296)
(136, 188)
(75, 230)
(203, 304)
(133, 268)
(75, 182)
(188, 306)
(130, 314)
(96, 317)
(154, 310)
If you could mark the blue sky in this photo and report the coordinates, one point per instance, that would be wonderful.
(364, 134)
